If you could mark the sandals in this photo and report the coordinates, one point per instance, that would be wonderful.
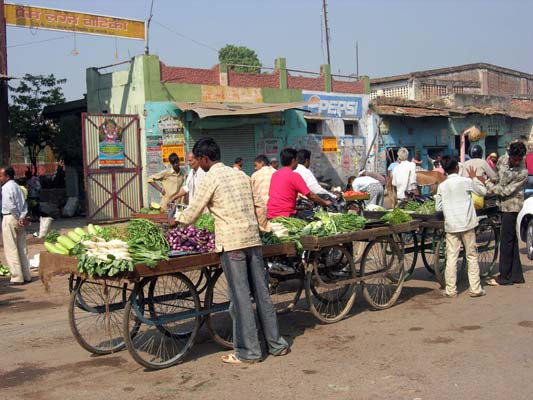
(233, 359)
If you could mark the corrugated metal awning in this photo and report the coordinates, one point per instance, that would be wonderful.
(218, 109)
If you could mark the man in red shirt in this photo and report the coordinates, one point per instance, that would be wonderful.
(285, 186)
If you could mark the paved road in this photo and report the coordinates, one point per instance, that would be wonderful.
(426, 347)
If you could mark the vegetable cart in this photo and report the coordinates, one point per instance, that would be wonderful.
(155, 313)
(329, 275)
(428, 241)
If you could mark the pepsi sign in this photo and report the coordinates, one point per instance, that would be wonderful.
(333, 105)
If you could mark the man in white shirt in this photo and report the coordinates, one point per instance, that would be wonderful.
(454, 199)
(304, 160)
(194, 177)
(14, 212)
(365, 183)
(404, 175)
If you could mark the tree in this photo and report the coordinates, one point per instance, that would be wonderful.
(26, 120)
(231, 54)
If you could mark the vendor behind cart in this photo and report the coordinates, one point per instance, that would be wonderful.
(285, 186)
(171, 180)
(227, 193)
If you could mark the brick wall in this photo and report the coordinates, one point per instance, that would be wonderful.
(503, 85)
(519, 105)
(196, 76)
(300, 82)
(240, 79)
(348, 87)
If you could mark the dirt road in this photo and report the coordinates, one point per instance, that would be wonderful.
(426, 347)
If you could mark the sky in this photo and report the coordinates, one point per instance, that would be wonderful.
(394, 36)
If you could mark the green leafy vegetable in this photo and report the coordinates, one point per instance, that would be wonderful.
(51, 236)
(396, 216)
(4, 271)
(146, 243)
(94, 266)
(427, 208)
(207, 222)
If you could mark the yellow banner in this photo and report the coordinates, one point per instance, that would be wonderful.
(168, 149)
(329, 145)
(61, 20)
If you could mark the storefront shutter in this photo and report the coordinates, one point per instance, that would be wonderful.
(233, 142)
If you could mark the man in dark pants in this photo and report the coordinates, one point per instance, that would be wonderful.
(509, 187)
(227, 193)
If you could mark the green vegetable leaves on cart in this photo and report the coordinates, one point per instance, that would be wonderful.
(396, 216)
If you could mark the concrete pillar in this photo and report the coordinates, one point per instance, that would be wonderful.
(325, 72)
(484, 80)
(281, 66)
(223, 74)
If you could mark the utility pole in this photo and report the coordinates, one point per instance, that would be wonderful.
(325, 7)
(4, 124)
(357, 59)
(147, 30)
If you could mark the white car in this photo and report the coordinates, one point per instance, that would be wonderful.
(524, 226)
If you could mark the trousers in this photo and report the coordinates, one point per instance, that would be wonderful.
(15, 249)
(453, 247)
(246, 275)
(510, 265)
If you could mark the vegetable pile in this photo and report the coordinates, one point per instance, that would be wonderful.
(427, 207)
(111, 250)
(191, 239)
(396, 216)
(154, 208)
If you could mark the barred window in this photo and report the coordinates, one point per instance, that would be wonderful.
(431, 91)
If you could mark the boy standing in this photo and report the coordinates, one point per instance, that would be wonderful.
(460, 220)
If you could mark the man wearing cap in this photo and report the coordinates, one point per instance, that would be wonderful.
(365, 183)
(274, 163)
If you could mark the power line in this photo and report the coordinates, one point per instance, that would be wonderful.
(40, 41)
(185, 37)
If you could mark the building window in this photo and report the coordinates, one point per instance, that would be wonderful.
(398, 91)
(314, 127)
(458, 89)
(349, 128)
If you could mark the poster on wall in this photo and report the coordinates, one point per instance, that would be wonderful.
(329, 145)
(171, 130)
(111, 148)
(168, 149)
(271, 147)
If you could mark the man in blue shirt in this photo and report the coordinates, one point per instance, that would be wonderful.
(14, 211)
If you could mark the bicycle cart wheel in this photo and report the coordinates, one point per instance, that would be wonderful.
(285, 294)
(95, 314)
(166, 310)
(429, 240)
(330, 285)
(382, 273)
(440, 263)
(199, 279)
(409, 247)
(488, 243)
(216, 302)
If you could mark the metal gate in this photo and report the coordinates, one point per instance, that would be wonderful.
(111, 166)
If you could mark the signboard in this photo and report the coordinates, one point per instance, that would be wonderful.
(71, 21)
(168, 149)
(333, 105)
(218, 94)
(271, 147)
(111, 148)
(329, 145)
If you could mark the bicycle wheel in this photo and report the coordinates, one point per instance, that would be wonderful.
(382, 273)
(329, 286)
(429, 240)
(95, 314)
(409, 247)
(488, 243)
(199, 279)
(216, 302)
(285, 294)
(440, 263)
(166, 310)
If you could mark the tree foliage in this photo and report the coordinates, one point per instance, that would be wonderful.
(27, 101)
(231, 54)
